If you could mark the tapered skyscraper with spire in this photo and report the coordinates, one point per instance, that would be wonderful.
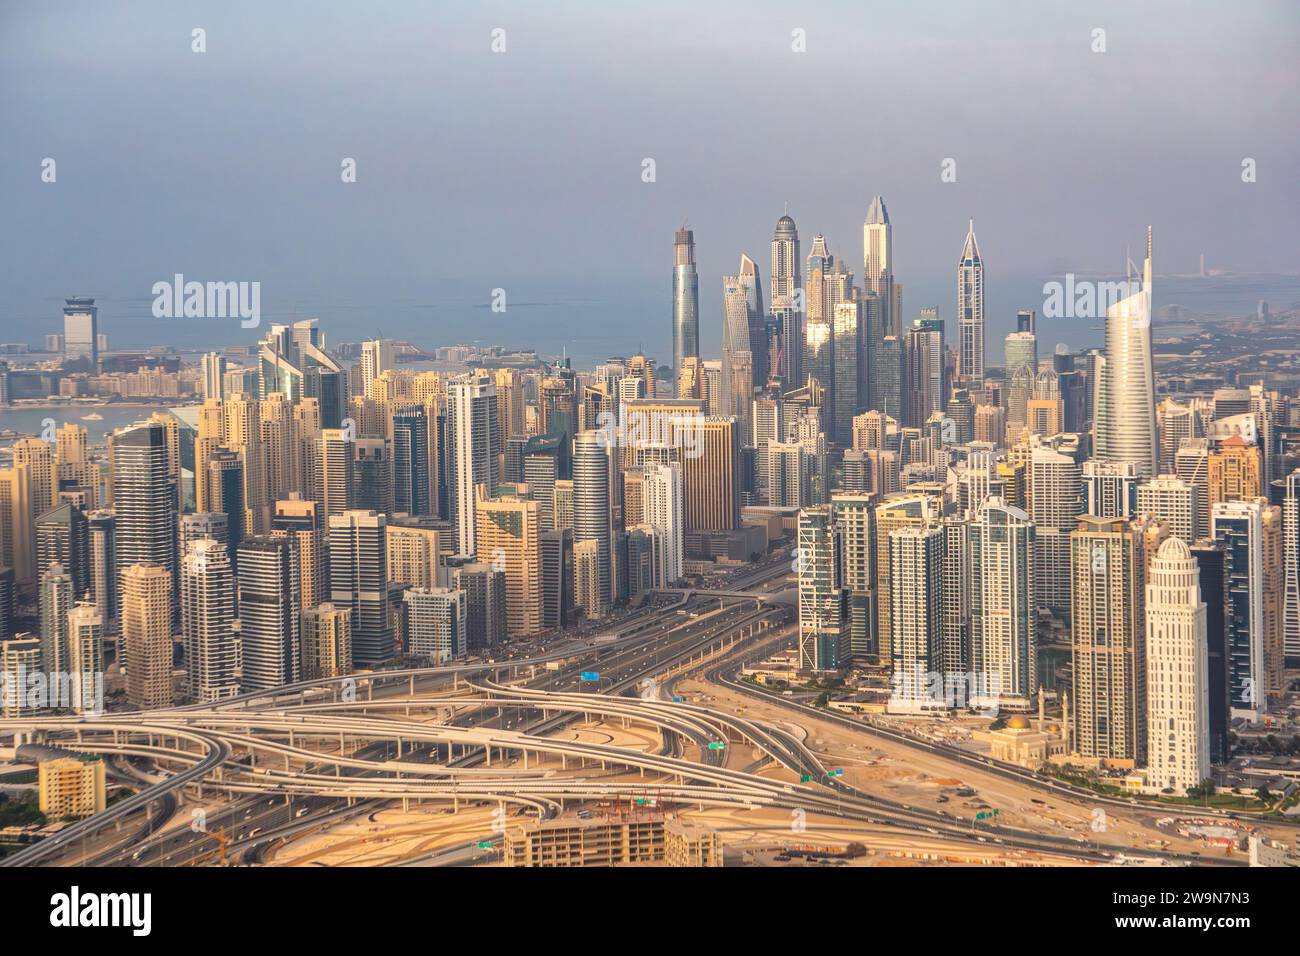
(1125, 420)
(970, 311)
(878, 262)
(686, 300)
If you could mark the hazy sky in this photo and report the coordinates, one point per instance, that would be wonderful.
(522, 170)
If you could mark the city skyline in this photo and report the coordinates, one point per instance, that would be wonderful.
(1007, 178)
(585, 437)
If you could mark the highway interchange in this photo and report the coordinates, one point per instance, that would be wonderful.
(234, 781)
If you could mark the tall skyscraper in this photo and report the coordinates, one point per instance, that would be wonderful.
(213, 376)
(376, 359)
(744, 346)
(410, 461)
(855, 524)
(916, 569)
(785, 333)
(334, 489)
(508, 538)
(850, 370)
(81, 330)
(203, 524)
(485, 603)
(557, 578)
(878, 263)
(1110, 488)
(1178, 743)
(1291, 567)
(144, 497)
(823, 643)
(1250, 532)
(223, 494)
(1174, 424)
(326, 633)
(147, 635)
(686, 300)
(1003, 610)
(63, 538)
(663, 508)
(1055, 503)
(923, 382)
(435, 623)
(268, 612)
(757, 319)
(1107, 568)
(711, 475)
(1125, 416)
(208, 622)
(473, 446)
(359, 580)
(300, 522)
(103, 565)
(970, 311)
(86, 658)
(818, 332)
(1173, 500)
(54, 603)
(591, 516)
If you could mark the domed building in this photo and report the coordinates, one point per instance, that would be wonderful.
(1020, 742)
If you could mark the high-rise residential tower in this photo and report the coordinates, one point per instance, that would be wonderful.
(208, 622)
(1107, 566)
(591, 518)
(144, 497)
(147, 635)
(473, 448)
(268, 612)
(1003, 612)
(358, 552)
(1178, 743)
(970, 311)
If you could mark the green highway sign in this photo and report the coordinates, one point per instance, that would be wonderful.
(716, 745)
(806, 778)
(485, 844)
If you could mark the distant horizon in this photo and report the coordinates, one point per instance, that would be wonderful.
(542, 315)
(526, 169)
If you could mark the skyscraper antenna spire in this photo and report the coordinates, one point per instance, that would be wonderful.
(1147, 267)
